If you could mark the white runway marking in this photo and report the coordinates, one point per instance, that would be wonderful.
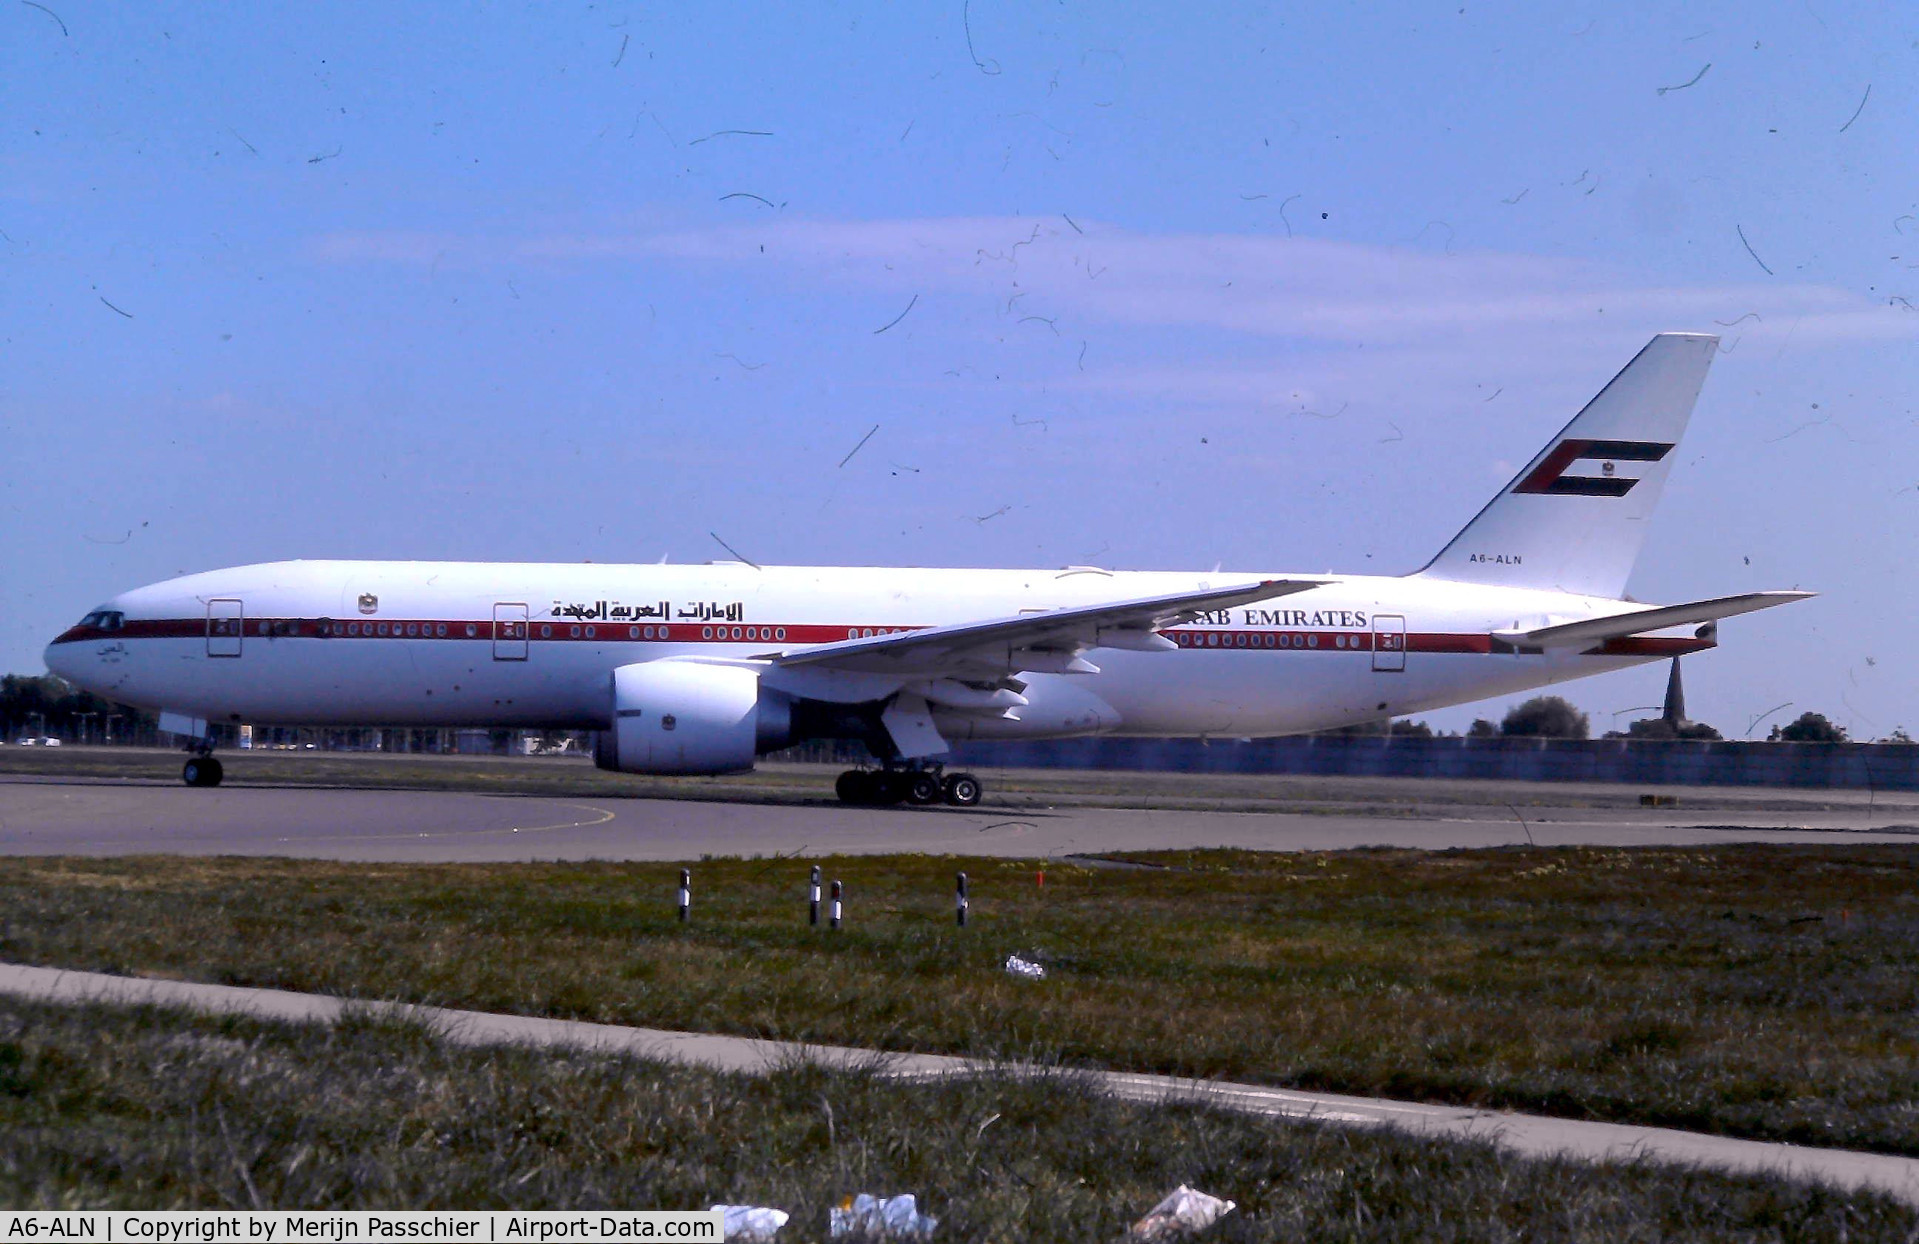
(601, 816)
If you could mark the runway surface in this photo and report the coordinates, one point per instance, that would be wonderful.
(1531, 1135)
(68, 816)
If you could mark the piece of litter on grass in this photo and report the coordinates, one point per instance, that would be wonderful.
(1025, 967)
(1185, 1211)
(751, 1224)
(893, 1217)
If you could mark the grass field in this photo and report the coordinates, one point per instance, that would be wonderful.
(1766, 992)
(1013, 788)
(138, 1108)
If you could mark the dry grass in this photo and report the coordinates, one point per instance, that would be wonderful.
(141, 1108)
(1752, 991)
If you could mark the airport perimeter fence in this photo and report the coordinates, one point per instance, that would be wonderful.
(1852, 766)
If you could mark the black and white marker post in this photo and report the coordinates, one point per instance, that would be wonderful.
(686, 893)
(813, 897)
(836, 905)
(961, 911)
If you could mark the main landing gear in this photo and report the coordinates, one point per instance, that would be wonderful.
(918, 785)
(201, 769)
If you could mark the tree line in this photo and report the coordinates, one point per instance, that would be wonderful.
(49, 705)
(1555, 717)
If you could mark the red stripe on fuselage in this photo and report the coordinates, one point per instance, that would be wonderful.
(464, 630)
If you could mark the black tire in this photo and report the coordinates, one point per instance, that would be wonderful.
(962, 790)
(889, 788)
(202, 771)
(858, 788)
(922, 788)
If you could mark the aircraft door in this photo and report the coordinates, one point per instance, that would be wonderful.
(226, 618)
(509, 632)
(1389, 643)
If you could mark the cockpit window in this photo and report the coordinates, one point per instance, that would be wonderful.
(104, 619)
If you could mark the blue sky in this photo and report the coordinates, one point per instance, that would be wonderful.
(1283, 290)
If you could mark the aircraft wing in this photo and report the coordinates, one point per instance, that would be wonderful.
(1638, 622)
(1044, 641)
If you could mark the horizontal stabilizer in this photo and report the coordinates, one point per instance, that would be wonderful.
(1639, 621)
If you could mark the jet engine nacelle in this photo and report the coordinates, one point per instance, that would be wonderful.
(690, 717)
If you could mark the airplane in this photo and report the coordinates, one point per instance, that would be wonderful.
(703, 669)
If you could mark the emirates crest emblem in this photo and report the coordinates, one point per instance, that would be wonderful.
(369, 603)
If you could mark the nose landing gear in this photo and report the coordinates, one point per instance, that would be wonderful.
(920, 785)
(202, 771)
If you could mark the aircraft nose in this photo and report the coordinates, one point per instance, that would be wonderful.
(59, 659)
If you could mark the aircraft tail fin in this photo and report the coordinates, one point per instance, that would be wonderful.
(1575, 518)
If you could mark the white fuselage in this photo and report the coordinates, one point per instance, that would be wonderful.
(464, 643)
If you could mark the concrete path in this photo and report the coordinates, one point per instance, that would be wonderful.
(1530, 1135)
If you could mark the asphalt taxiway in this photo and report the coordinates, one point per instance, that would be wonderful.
(70, 816)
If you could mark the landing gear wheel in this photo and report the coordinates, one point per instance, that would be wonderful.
(202, 771)
(867, 787)
(961, 790)
(922, 788)
(888, 788)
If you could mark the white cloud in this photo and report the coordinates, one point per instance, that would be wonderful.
(390, 246)
(1343, 313)
(1301, 288)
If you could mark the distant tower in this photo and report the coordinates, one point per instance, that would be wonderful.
(1675, 712)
